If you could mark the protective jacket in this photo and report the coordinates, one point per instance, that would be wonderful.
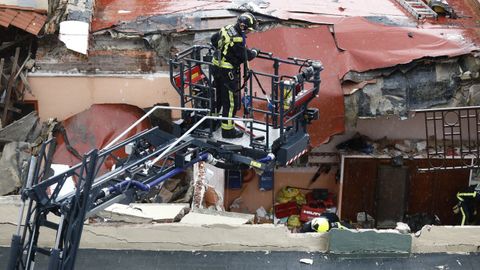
(231, 45)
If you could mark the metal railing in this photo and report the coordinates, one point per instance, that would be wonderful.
(452, 136)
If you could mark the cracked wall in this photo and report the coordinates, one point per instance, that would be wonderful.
(418, 85)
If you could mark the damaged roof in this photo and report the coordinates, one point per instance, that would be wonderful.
(110, 13)
(357, 45)
(347, 36)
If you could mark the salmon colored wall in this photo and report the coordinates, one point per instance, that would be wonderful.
(63, 96)
(298, 177)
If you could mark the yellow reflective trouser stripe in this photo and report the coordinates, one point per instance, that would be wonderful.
(229, 124)
(237, 39)
(463, 216)
(226, 126)
(222, 64)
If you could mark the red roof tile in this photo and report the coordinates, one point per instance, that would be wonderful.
(29, 21)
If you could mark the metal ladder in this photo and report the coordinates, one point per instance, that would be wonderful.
(418, 9)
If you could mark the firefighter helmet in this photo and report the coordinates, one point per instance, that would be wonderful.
(247, 21)
(320, 224)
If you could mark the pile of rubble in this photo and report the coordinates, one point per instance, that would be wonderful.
(363, 145)
(17, 141)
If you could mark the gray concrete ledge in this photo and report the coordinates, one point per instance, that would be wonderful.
(221, 237)
(379, 242)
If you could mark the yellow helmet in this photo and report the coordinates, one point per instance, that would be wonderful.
(320, 224)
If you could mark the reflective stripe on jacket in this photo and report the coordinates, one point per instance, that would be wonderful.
(228, 37)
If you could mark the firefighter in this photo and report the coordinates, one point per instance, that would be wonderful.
(467, 202)
(324, 223)
(232, 51)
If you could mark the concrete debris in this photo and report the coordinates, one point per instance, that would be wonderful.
(473, 94)
(210, 217)
(144, 212)
(26, 129)
(75, 35)
(238, 206)
(306, 261)
(402, 227)
(364, 220)
(421, 146)
(165, 194)
(175, 190)
(261, 213)
(13, 163)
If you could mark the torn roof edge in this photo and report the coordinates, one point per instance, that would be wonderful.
(40, 11)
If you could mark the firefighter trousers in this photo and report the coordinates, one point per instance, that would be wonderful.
(227, 84)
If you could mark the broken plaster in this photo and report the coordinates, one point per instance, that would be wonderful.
(75, 35)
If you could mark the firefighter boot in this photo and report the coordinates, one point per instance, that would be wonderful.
(231, 133)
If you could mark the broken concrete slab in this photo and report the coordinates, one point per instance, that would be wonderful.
(174, 236)
(208, 217)
(144, 212)
(26, 129)
(365, 242)
(14, 158)
(458, 239)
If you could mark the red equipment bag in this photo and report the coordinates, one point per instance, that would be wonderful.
(286, 209)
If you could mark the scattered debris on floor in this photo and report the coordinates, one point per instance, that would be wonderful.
(306, 261)
(362, 145)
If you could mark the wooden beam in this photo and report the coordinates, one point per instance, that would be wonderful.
(23, 75)
(10, 86)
